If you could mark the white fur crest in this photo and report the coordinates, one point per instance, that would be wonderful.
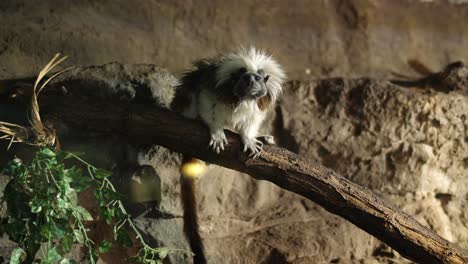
(253, 60)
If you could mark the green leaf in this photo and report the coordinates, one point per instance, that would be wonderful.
(72, 197)
(45, 231)
(68, 261)
(36, 205)
(81, 182)
(100, 198)
(108, 214)
(83, 213)
(111, 195)
(13, 167)
(104, 246)
(59, 230)
(148, 260)
(67, 242)
(36, 209)
(119, 215)
(52, 256)
(51, 191)
(46, 153)
(17, 256)
(63, 204)
(123, 238)
(94, 256)
(163, 252)
(78, 236)
(101, 174)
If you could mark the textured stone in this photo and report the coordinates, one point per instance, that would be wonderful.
(316, 38)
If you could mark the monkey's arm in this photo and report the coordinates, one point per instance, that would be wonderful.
(248, 133)
(214, 117)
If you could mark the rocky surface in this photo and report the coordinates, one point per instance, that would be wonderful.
(311, 38)
(406, 145)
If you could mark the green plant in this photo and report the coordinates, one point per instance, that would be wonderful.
(44, 215)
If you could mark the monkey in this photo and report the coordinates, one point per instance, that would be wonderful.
(232, 91)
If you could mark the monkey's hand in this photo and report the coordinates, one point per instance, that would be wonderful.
(218, 140)
(253, 145)
(267, 139)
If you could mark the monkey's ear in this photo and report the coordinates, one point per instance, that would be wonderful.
(266, 78)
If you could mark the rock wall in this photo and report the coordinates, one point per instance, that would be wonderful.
(310, 37)
(406, 145)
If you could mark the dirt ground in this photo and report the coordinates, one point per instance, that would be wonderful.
(408, 145)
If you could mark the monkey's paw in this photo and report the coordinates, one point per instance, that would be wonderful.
(218, 141)
(267, 139)
(253, 145)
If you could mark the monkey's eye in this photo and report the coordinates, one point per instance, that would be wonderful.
(257, 78)
(266, 78)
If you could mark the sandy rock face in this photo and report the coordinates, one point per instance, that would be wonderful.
(408, 145)
(310, 38)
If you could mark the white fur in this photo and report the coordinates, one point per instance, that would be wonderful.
(244, 118)
(253, 60)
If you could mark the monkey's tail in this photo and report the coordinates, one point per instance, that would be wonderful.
(191, 169)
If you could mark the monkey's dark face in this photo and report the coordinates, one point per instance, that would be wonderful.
(250, 85)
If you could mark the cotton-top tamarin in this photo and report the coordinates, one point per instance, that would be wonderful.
(232, 91)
